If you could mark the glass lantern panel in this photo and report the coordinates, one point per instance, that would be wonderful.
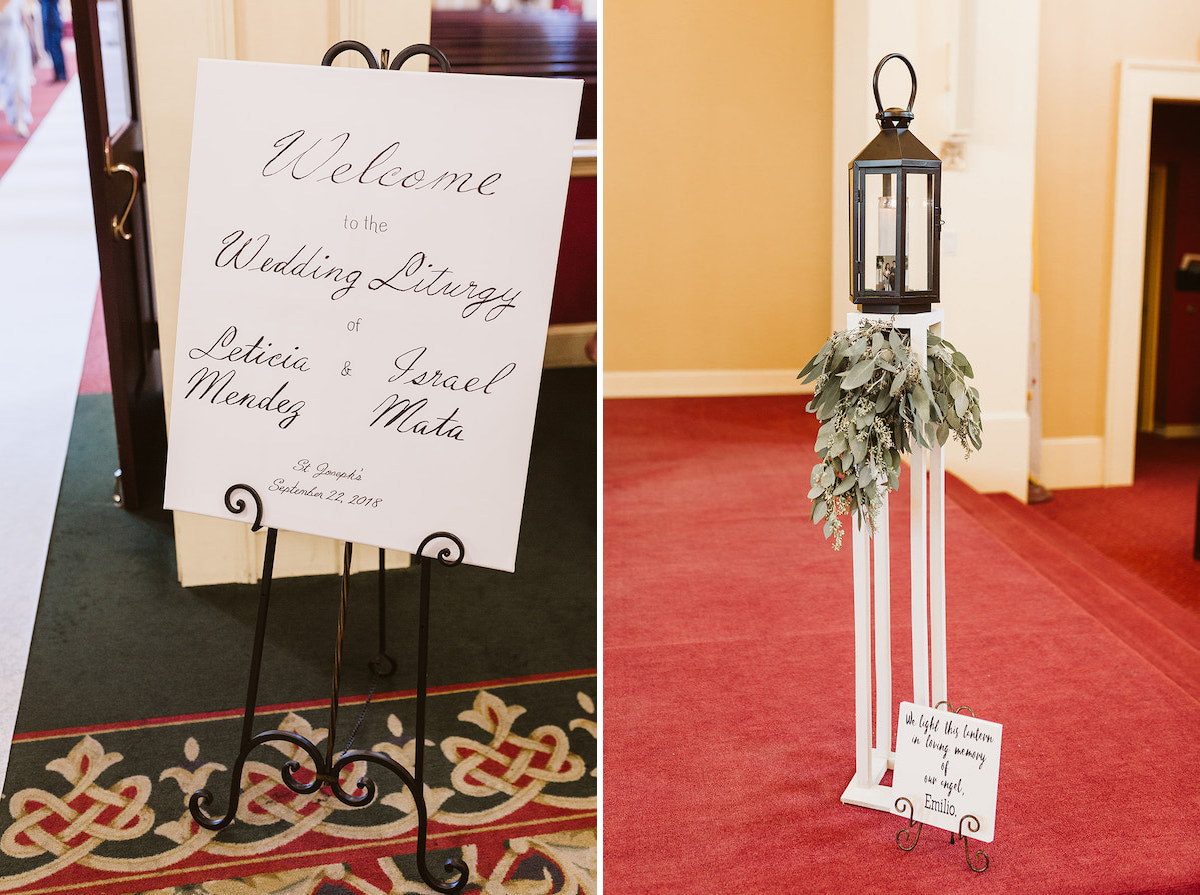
(919, 206)
(879, 231)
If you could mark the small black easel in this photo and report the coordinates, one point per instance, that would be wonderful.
(907, 839)
(328, 767)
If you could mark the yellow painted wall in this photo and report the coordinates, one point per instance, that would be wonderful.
(717, 151)
(1081, 48)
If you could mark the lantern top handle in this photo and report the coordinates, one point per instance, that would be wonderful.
(894, 117)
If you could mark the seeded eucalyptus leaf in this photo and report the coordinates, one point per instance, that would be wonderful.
(858, 449)
(816, 365)
(826, 403)
(875, 398)
(960, 361)
(859, 375)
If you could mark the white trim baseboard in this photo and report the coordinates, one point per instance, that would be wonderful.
(702, 383)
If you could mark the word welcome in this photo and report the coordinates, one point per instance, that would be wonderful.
(325, 159)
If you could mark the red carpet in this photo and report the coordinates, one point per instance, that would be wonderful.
(1148, 529)
(512, 807)
(728, 682)
(45, 92)
(95, 377)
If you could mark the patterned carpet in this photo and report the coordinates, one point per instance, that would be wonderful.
(133, 695)
(512, 794)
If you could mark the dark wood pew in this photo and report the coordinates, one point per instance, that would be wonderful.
(533, 43)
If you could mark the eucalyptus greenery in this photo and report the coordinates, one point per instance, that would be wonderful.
(874, 398)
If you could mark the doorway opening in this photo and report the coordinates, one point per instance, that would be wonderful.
(1142, 84)
(1169, 395)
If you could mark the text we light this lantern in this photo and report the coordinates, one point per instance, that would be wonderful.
(895, 214)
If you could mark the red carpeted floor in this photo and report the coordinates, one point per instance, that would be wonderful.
(728, 680)
(45, 92)
(96, 379)
(1148, 529)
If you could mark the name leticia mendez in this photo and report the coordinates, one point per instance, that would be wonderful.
(215, 384)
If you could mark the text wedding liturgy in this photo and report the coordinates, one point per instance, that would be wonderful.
(369, 259)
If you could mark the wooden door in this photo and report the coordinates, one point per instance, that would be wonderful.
(108, 84)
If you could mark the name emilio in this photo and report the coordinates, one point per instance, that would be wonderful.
(942, 806)
(330, 159)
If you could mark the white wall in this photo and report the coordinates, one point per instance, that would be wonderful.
(987, 207)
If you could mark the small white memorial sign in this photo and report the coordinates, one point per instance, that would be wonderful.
(368, 264)
(948, 766)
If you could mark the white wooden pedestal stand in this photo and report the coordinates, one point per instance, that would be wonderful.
(927, 546)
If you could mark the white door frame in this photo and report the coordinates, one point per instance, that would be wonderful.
(1142, 82)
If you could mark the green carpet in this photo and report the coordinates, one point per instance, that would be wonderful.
(117, 638)
(118, 643)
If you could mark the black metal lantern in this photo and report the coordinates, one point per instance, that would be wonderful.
(895, 215)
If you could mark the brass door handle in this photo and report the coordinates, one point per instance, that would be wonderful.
(118, 224)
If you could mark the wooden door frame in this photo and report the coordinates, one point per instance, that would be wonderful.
(1152, 295)
(116, 169)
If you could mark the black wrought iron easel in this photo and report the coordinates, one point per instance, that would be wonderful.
(328, 767)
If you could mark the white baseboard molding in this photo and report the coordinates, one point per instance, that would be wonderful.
(1073, 462)
(703, 383)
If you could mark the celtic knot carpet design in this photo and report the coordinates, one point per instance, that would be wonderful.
(510, 788)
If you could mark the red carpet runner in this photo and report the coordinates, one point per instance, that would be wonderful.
(45, 92)
(728, 682)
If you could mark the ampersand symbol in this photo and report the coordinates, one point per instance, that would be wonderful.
(346, 369)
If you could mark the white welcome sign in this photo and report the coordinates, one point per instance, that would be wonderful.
(948, 766)
(368, 264)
